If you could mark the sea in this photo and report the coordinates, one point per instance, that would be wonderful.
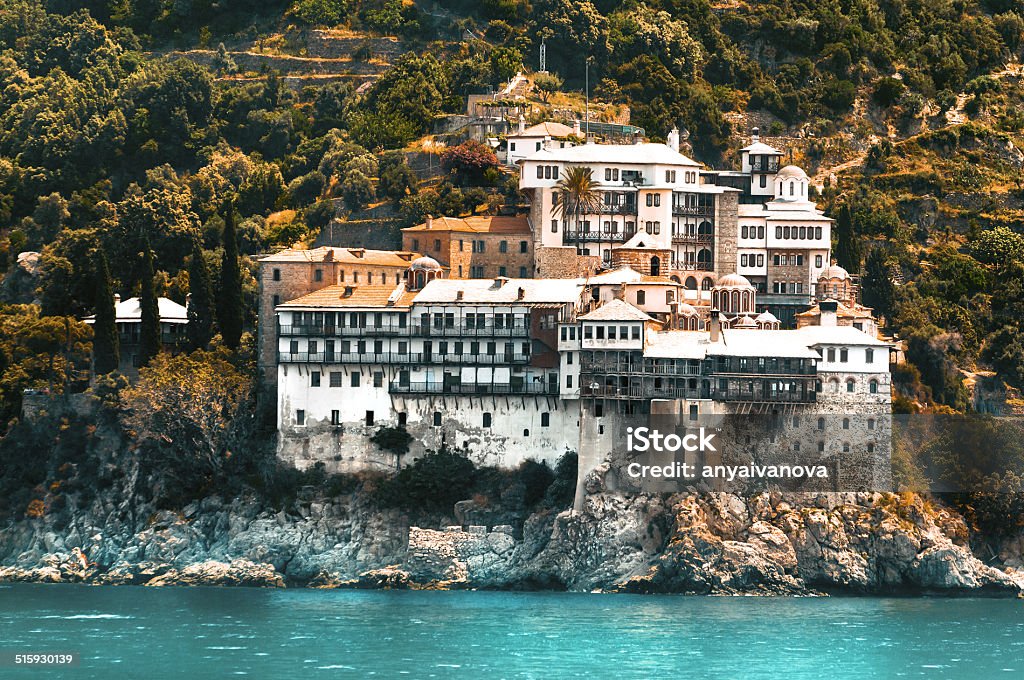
(194, 633)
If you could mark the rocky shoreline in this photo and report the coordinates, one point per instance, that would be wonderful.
(715, 544)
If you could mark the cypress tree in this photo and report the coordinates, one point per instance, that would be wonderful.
(847, 248)
(106, 351)
(200, 308)
(149, 334)
(230, 312)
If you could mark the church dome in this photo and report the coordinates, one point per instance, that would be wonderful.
(733, 281)
(766, 317)
(687, 309)
(425, 263)
(792, 172)
(744, 322)
(834, 271)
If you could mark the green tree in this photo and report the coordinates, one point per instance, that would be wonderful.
(106, 350)
(547, 84)
(149, 333)
(580, 195)
(357, 190)
(231, 311)
(878, 289)
(201, 303)
(847, 248)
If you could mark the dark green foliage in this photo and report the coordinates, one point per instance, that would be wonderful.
(436, 480)
(395, 440)
(562, 489)
(230, 312)
(536, 478)
(105, 344)
(201, 302)
(847, 247)
(149, 333)
(878, 290)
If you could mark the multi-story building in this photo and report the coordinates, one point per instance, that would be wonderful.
(653, 212)
(478, 247)
(660, 213)
(510, 369)
(292, 273)
(526, 141)
(128, 317)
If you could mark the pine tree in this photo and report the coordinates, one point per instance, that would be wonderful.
(200, 308)
(847, 248)
(105, 348)
(149, 334)
(879, 291)
(230, 312)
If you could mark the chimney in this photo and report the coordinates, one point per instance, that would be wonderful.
(117, 298)
(755, 135)
(673, 139)
(521, 294)
(329, 255)
(620, 291)
(673, 314)
(430, 222)
(576, 130)
(188, 301)
(459, 295)
(715, 326)
(522, 124)
(829, 313)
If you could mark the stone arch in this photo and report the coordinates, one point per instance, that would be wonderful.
(690, 283)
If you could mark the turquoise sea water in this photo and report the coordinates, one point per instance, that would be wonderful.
(131, 632)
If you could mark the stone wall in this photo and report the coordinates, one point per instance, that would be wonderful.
(726, 234)
(455, 556)
(640, 259)
(562, 262)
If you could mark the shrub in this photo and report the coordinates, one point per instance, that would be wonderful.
(436, 481)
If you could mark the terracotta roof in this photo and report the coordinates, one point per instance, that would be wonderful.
(379, 258)
(546, 129)
(658, 279)
(616, 310)
(843, 311)
(484, 224)
(354, 296)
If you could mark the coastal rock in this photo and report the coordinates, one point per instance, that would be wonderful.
(213, 573)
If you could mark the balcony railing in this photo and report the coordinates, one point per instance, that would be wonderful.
(517, 330)
(694, 210)
(639, 369)
(641, 392)
(693, 238)
(474, 388)
(500, 359)
(330, 330)
(573, 236)
(695, 266)
(770, 398)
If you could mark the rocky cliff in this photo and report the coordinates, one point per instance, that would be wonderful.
(685, 543)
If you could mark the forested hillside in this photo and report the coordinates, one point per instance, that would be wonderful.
(136, 126)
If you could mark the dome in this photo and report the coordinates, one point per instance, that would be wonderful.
(792, 172)
(425, 263)
(687, 309)
(744, 322)
(733, 281)
(834, 271)
(766, 317)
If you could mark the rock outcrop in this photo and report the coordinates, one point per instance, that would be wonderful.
(686, 543)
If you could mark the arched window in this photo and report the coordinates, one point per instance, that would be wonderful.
(821, 423)
(850, 385)
(846, 423)
(873, 387)
(655, 266)
(792, 187)
(833, 385)
(707, 284)
(641, 297)
(691, 283)
(705, 229)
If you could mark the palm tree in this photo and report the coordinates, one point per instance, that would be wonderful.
(580, 195)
